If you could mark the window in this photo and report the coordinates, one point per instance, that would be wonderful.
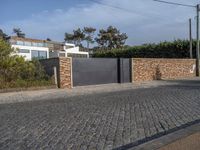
(27, 43)
(42, 54)
(34, 44)
(20, 43)
(62, 54)
(34, 54)
(45, 44)
(24, 51)
(77, 55)
(38, 54)
(67, 47)
(40, 44)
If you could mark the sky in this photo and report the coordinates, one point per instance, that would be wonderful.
(144, 21)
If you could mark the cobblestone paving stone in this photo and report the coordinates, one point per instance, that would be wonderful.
(97, 121)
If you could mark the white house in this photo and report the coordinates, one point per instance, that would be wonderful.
(43, 49)
(30, 48)
(73, 51)
(68, 50)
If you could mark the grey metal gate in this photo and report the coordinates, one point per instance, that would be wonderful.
(125, 70)
(95, 71)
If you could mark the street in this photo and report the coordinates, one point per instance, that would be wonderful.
(106, 120)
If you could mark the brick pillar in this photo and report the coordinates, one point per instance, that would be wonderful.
(65, 72)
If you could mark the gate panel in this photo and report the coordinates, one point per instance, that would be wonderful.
(94, 71)
(125, 70)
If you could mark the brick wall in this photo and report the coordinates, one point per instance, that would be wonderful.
(63, 66)
(147, 69)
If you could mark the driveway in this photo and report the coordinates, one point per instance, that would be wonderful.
(112, 119)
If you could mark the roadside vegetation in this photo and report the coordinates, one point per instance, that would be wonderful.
(106, 39)
(175, 49)
(15, 72)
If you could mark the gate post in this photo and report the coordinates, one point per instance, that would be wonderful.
(119, 70)
(65, 70)
(124, 70)
(132, 69)
(55, 76)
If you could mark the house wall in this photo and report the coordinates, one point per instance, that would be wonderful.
(75, 50)
(144, 69)
(28, 55)
(71, 50)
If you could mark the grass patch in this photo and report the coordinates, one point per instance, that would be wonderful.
(19, 83)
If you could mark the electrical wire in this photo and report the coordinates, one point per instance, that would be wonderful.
(174, 3)
(112, 6)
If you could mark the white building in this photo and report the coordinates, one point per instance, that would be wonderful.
(68, 50)
(30, 48)
(42, 49)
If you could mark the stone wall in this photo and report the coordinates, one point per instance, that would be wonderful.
(65, 72)
(147, 69)
(63, 66)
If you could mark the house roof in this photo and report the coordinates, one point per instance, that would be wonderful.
(27, 39)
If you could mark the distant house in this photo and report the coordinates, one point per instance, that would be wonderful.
(43, 49)
(59, 49)
(30, 48)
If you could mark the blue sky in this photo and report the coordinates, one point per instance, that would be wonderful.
(145, 21)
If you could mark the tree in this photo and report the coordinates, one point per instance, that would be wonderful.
(48, 39)
(111, 38)
(8, 65)
(76, 37)
(5, 49)
(89, 35)
(69, 38)
(14, 67)
(3, 35)
(79, 36)
(19, 33)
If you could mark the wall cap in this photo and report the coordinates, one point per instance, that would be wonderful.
(164, 59)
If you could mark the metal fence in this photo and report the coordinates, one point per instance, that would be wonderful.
(95, 71)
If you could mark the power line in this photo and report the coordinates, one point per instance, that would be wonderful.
(112, 6)
(173, 3)
(197, 30)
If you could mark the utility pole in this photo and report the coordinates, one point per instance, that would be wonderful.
(197, 30)
(197, 47)
(190, 36)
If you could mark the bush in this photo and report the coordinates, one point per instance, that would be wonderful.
(16, 72)
(19, 83)
(175, 49)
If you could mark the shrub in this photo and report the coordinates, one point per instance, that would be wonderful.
(175, 49)
(16, 72)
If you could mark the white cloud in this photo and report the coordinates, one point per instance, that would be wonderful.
(146, 20)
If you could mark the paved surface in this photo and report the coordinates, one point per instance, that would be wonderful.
(22, 96)
(104, 120)
(13, 97)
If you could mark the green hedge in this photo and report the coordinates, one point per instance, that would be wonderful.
(175, 49)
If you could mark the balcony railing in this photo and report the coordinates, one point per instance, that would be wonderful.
(24, 43)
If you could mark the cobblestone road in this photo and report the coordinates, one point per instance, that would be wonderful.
(98, 121)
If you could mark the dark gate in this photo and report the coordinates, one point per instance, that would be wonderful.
(125, 70)
(95, 71)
